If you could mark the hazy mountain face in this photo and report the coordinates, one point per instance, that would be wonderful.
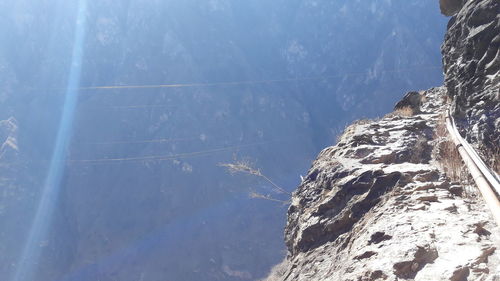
(170, 212)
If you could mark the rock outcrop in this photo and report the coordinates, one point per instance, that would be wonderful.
(377, 207)
(471, 59)
(382, 204)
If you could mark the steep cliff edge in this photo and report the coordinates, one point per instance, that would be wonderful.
(381, 204)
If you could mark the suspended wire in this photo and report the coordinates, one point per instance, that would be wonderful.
(251, 82)
(140, 141)
(140, 106)
(230, 84)
(169, 157)
(205, 152)
(118, 107)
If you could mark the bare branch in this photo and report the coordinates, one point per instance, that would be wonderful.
(267, 197)
(241, 167)
(245, 167)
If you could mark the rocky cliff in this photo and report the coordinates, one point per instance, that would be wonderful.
(471, 60)
(388, 202)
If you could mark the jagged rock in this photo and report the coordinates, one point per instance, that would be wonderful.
(422, 256)
(471, 59)
(369, 209)
(457, 190)
(460, 274)
(450, 7)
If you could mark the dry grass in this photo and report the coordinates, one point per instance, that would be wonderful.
(449, 159)
(241, 166)
(446, 99)
(404, 111)
(423, 97)
(257, 195)
(495, 161)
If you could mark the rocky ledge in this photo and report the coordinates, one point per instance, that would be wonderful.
(377, 207)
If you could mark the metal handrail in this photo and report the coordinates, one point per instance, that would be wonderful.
(491, 176)
(483, 177)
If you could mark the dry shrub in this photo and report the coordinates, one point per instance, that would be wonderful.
(245, 167)
(495, 161)
(257, 195)
(446, 99)
(404, 111)
(423, 97)
(448, 157)
(363, 121)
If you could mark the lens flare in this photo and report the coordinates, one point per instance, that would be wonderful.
(30, 257)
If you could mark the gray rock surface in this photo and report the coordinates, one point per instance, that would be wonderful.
(471, 59)
(411, 100)
(450, 7)
(376, 207)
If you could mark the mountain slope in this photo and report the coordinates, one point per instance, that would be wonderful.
(179, 216)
